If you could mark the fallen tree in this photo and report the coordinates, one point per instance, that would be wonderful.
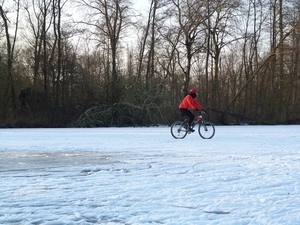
(120, 114)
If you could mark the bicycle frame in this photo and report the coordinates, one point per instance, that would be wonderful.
(201, 121)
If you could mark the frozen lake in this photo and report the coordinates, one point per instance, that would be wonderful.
(243, 175)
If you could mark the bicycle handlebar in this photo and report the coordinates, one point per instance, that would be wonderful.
(202, 112)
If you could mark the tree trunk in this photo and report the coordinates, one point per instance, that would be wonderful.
(9, 93)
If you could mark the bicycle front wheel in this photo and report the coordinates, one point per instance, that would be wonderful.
(179, 129)
(206, 130)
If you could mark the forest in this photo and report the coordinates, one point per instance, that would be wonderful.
(100, 63)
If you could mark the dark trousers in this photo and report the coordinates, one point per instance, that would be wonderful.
(189, 114)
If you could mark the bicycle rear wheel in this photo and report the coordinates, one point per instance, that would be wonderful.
(179, 129)
(206, 130)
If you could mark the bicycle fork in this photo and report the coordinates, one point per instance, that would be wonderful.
(203, 124)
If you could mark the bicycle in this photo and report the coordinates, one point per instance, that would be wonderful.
(206, 129)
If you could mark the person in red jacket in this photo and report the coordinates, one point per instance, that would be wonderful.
(190, 103)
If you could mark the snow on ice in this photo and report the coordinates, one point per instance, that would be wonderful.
(243, 175)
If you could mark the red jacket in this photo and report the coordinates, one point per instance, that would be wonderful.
(190, 103)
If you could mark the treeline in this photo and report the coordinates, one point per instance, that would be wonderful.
(105, 63)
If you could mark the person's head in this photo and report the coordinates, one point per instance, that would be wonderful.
(193, 93)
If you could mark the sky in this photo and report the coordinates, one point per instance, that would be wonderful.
(243, 175)
(141, 4)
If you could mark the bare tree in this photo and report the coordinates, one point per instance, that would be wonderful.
(109, 18)
(254, 16)
(57, 48)
(150, 28)
(37, 13)
(222, 34)
(281, 110)
(190, 15)
(9, 94)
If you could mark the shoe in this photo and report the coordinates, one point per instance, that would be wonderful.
(191, 130)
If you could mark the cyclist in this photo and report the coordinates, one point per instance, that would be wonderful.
(190, 102)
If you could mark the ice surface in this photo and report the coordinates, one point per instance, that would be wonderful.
(243, 175)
